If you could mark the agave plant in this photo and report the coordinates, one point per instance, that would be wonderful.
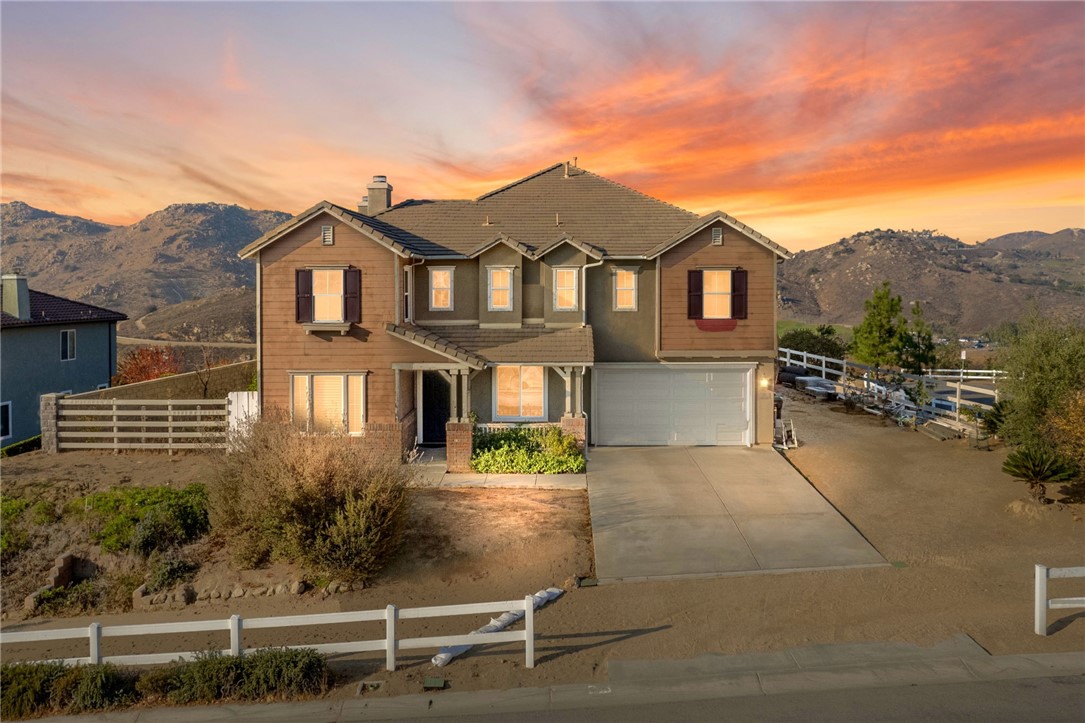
(994, 417)
(1038, 467)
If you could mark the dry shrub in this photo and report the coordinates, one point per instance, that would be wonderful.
(323, 501)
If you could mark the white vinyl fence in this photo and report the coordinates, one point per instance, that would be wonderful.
(241, 409)
(1043, 603)
(96, 632)
(116, 424)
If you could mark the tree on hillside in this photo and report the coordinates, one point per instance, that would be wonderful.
(877, 339)
(823, 341)
(147, 363)
(1045, 369)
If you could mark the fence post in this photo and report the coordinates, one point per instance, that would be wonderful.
(529, 630)
(390, 615)
(235, 635)
(49, 412)
(94, 633)
(1040, 614)
(169, 429)
(143, 418)
(116, 440)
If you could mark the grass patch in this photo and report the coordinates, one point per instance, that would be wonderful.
(145, 519)
(13, 538)
(527, 450)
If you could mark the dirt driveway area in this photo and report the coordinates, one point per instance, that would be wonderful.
(962, 543)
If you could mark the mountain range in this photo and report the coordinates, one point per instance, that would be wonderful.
(177, 275)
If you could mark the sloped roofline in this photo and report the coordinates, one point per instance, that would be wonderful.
(709, 219)
(430, 341)
(336, 212)
(593, 251)
(507, 186)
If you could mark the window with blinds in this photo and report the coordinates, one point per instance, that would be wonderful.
(328, 402)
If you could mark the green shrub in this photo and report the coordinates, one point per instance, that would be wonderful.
(111, 591)
(524, 450)
(93, 687)
(27, 445)
(167, 570)
(319, 500)
(13, 538)
(994, 417)
(45, 512)
(156, 684)
(211, 676)
(283, 673)
(146, 519)
(1037, 467)
(26, 688)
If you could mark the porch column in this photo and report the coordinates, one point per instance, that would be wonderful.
(453, 396)
(579, 392)
(465, 382)
(567, 375)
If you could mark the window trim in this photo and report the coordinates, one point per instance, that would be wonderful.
(520, 418)
(451, 288)
(345, 375)
(11, 419)
(632, 270)
(67, 348)
(341, 296)
(511, 270)
(729, 294)
(576, 289)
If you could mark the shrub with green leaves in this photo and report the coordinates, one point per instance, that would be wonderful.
(32, 689)
(1037, 467)
(145, 519)
(168, 569)
(320, 500)
(13, 537)
(26, 688)
(527, 450)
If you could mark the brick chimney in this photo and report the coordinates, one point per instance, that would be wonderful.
(380, 195)
(16, 296)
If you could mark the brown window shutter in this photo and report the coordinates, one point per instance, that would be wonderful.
(738, 294)
(696, 294)
(303, 285)
(352, 296)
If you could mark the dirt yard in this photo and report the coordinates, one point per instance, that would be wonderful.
(962, 544)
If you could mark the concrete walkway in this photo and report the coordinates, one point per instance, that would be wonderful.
(673, 512)
(848, 666)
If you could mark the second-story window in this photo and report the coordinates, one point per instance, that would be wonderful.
(625, 290)
(500, 296)
(440, 288)
(67, 345)
(565, 290)
(328, 296)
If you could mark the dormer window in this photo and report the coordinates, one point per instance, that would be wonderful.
(565, 289)
(500, 289)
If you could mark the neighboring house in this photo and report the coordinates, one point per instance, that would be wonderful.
(48, 344)
(562, 297)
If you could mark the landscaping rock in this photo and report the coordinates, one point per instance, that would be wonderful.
(216, 594)
(258, 592)
(204, 594)
(282, 588)
(297, 587)
(158, 599)
(238, 592)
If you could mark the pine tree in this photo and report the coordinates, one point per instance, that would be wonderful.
(916, 350)
(877, 339)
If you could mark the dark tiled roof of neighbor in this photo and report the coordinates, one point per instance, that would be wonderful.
(527, 345)
(48, 309)
(539, 210)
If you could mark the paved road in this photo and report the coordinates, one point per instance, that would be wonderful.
(673, 512)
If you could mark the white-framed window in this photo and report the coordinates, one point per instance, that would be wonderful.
(5, 420)
(102, 386)
(717, 293)
(565, 288)
(67, 345)
(625, 289)
(327, 235)
(327, 295)
(321, 402)
(499, 297)
(440, 288)
(408, 282)
(520, 393)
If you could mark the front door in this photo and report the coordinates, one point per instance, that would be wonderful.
(436, 400)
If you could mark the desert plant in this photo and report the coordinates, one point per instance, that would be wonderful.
(168, 569)
(211, 676)
(1037, 467)
(283, 493)
(145, 519)
(275, 673)
(93, 687)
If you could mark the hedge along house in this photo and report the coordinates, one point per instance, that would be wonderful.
(49, 344)
(562, 297)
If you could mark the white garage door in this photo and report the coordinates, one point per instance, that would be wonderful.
(673, 405)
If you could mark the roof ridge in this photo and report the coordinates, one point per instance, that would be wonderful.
(406, 201)
(507, 186)
(639, 193)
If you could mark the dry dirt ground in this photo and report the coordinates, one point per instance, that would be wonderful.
(962, 544)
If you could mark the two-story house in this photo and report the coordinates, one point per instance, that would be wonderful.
(563, 297)
(48, 344)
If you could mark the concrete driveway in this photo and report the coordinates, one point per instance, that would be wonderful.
(666, 512)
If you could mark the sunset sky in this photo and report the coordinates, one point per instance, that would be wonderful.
(808, 121)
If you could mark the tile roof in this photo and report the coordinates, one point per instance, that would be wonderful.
(431, 340)
(48, 309)
(539, 210)
(526, 345)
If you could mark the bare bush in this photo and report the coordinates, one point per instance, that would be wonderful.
(323, 501)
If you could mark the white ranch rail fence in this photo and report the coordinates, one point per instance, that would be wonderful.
(1043, 603)
(117, 424)
(236, 626)
(828, 365)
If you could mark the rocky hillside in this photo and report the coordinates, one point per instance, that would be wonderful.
(228, 315)
(963, 289)
(183, 252)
